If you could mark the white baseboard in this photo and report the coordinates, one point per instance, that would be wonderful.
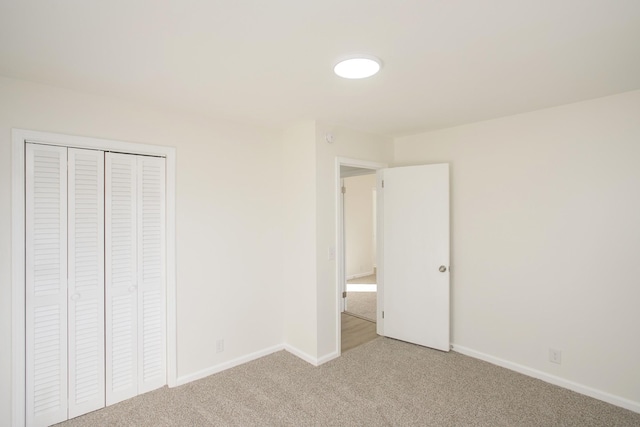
(253, 356)
(327, 357)
(552, 379)
(302, 355)
(359, 275)
(315, 361)
(227, 365)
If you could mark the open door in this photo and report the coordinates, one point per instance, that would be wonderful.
(413, 263)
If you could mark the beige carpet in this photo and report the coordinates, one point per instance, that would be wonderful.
(362, 304)
(381, 383)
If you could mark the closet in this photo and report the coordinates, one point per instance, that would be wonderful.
(95, 279)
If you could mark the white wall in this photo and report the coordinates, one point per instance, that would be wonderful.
(546, 238)
(351, 144)
(358, 218)
(545, 229)
(228, 207)
(300, 308)
(310, 188)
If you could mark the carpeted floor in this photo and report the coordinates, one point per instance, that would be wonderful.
(362, 304)
(381, 383)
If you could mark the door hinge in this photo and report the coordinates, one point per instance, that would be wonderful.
(383, 314)
(344, 294)
(383, 183)
(344, 190)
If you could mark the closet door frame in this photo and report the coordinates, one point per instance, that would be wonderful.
(18, 244)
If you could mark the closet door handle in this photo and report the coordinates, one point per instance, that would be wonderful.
(132, 289)
(75, 297)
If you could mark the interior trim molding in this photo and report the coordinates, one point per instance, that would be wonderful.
(359, 275)
(19, 138)
(327, 357)
(203, 373)
(302, 355)
(551, 379)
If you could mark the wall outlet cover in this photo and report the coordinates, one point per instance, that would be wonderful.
(555, 356)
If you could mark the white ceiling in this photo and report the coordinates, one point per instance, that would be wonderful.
(446, 62)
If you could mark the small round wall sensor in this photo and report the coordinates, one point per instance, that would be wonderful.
(329, 138)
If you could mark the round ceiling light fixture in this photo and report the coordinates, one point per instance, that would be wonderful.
(357, 66)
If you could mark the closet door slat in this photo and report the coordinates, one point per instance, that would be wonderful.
(151, 274)
(86, 281)
(46, 284)
(121, 285)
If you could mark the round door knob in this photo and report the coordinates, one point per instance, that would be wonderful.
(132, 289)
(442, 269)
(75, 297)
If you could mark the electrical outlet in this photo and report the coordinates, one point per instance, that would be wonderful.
(219, 346)
(555, 356)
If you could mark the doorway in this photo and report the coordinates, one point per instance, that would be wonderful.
(359, 242)
(357, 282)
(412, 274)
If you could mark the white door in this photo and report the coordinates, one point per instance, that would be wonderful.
(46, 284)
(86, 280)
(121, 284)
(151, 273)
(65, 283)
(95, 280)
(135, 275)
(414, 254)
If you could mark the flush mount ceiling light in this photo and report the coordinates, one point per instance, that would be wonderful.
(357, 66)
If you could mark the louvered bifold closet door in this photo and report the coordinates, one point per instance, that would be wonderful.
(151, 273)
(86, 281)
(46, 284)
(121, 284)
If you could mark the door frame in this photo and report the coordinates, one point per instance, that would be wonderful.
(339, 245)
(18, 328)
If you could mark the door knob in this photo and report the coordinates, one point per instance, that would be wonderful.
(442, 269)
